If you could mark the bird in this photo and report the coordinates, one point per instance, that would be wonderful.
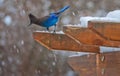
(48, 20)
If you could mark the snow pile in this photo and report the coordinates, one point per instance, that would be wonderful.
(84, 20)
(113, 16)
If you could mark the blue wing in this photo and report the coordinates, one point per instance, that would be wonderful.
(47, 21)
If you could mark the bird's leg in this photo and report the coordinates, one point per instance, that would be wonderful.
(54, 28)
(47, 29)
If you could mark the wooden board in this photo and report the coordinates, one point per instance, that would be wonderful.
(89, 37)
(54, 41)
(109, 30)
(106, 64)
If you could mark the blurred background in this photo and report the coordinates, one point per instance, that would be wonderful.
(20, 55)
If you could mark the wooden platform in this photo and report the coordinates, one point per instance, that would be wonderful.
(62, 42)
(90, 36)
(108, 30)
(82, 39)
(89, 39)
(105, 64)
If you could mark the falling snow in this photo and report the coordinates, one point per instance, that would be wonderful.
(8, 20)
(21, 55)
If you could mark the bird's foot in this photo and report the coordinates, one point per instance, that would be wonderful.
(48, 30)
(54, 31)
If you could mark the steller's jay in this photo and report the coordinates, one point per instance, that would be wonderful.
(49, 20)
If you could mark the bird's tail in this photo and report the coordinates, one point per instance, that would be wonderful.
(63, 9)
(32, 19)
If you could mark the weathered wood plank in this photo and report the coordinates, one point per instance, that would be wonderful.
(62, 42)
(105, 64)
(88, 36)
(109, 30)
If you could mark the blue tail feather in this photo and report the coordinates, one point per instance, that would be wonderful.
(63, 9)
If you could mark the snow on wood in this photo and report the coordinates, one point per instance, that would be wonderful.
(84, 20)
(57, 32)
(113, 16)
(108, 49)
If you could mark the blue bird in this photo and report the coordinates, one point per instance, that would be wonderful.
(49, 20)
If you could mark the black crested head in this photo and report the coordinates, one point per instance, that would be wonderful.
(32, 19)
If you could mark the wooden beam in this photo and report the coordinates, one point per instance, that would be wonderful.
(55, 41)
(109, 30)
(88, 36)
(105, 64)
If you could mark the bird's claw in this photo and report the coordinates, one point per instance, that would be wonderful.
(54, 31)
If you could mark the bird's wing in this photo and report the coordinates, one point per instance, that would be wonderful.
(42, 19)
